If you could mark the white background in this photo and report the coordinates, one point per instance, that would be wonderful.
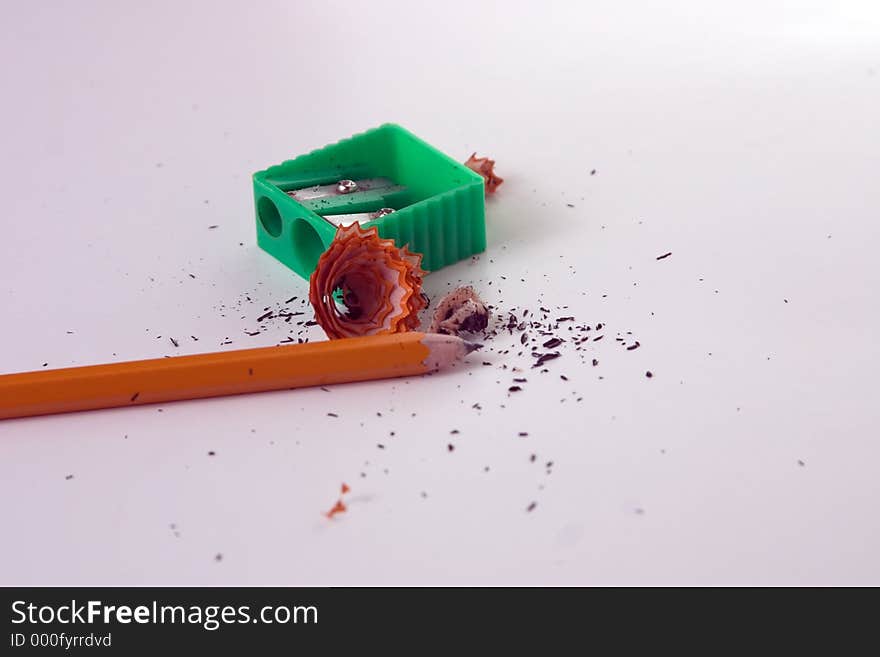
(741, 136)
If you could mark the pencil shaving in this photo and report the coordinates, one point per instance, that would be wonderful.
(486, 168)
(365, 285)
(461, 310)
(339, 507)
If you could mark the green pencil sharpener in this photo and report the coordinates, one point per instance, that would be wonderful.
(385, 177)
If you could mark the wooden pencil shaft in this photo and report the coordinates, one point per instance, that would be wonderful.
(224, 373)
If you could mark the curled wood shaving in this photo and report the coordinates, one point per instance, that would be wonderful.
(365, 285)
(461, 310)
(486, 168)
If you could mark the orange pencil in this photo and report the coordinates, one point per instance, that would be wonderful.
(227, 373)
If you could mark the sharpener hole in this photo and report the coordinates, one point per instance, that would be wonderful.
(269, 216)
(307, 244)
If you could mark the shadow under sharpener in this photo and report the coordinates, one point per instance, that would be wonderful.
(438, 203)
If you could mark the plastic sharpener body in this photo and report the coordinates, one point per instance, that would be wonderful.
(438, 204)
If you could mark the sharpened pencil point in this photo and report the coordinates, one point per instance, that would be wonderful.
(472, 346)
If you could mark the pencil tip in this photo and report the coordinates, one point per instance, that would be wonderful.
(471, 346)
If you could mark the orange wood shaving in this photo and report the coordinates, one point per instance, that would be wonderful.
(380, 285)
(339, 507)
(345, 488)
(486, 168)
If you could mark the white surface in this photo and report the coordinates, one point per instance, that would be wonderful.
(744, 140)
